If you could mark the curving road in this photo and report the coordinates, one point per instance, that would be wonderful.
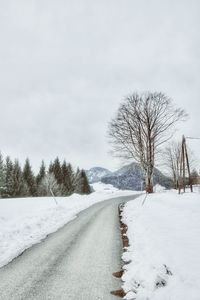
(75, 263)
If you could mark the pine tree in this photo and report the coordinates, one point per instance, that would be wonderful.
(81, 183)
(19, 187)
(51, 167)
(8, 183)
(2, 176)
(72, 177)
(67, 179)
(29, 179)
(85, 184)
(41, 191)
(57, 171)
(77, 182)
(41, 173)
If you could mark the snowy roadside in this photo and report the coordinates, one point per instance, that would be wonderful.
(164, 238)
(27, 221)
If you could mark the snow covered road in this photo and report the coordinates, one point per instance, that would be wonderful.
(76, 262)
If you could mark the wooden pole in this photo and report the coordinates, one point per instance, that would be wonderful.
(180, 175)
(183, 151)
(188, 167)
(184, 161)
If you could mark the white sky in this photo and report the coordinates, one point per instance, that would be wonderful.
(66, 65)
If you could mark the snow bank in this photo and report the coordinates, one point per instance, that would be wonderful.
(26, 221)
(164, 236)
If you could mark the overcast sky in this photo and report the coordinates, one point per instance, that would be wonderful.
(66, 65)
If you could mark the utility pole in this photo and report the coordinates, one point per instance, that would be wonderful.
(184, 162)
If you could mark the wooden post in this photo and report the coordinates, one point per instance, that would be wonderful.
(188, 167)
(183, 151)
(181, 170)
(184, 160)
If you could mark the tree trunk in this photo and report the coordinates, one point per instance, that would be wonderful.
(149, 188)
(149, 184)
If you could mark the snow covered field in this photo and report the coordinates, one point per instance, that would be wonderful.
(26, 221)
(164, 237)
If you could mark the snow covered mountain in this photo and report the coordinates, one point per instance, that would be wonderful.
(95, 174)
(129, 177)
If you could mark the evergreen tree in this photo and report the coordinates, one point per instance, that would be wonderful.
(57, 171)
(39, 180)
(41, 173)
(77, 182)
(81, 183)
(85, 184)
(51, 167)
(72, 177)
(29, 179)
(2, 176)
(67, 174)
(8, 183)
(19, 187)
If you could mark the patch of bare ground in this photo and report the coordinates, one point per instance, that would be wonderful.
(125, 242)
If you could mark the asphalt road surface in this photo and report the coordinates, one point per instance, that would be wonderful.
(75, 263)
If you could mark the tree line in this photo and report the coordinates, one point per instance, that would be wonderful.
(58, 179)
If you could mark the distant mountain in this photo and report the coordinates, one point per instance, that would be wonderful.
(95, 174)
(129, 177)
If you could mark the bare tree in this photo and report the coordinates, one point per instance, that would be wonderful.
(143, 123)
(172, 158)
(49, 186)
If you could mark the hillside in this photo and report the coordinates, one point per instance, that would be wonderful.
(128, 177)
(95, 174)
